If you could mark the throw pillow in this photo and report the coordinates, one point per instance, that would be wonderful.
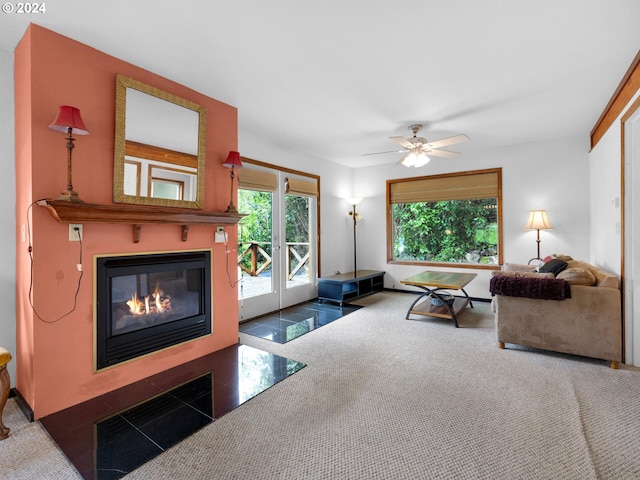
(555, 266)
(578, 276)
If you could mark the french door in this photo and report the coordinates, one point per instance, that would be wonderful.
(277, 246)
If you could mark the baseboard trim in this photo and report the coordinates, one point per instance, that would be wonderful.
(22, 403)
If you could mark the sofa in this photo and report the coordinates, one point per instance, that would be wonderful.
(583, 315)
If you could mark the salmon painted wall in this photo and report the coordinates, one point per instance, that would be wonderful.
(55, 352)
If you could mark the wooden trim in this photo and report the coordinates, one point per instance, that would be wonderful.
(159, 154)
(627, 88)
(258, 163)
(136, 215)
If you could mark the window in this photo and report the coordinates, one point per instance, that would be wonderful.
(446, 219)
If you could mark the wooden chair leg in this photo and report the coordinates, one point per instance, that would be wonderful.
(5, 384)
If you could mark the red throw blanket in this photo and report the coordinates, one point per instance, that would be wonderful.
(540, 288)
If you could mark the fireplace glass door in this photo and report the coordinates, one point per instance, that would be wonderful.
(149, 302)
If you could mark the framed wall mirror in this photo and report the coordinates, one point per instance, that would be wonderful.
(159, 147)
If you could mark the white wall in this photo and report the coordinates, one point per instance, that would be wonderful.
(8, 220)
(546, 174)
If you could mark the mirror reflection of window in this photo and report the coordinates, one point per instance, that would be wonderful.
(132, 178)
(168, 189)
(185, 178)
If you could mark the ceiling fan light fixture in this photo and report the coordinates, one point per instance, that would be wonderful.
(421, 160)
(409, 160)
(415, 160)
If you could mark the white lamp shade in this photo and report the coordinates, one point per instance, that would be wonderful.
(538, 220)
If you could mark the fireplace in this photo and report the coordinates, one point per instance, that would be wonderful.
(145, 303)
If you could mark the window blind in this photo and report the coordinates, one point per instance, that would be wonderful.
(446, 187)
(296, 186)
(260, 180)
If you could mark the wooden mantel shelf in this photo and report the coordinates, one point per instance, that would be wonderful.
(136, 215)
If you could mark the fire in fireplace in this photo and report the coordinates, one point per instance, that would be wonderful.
(146, 303)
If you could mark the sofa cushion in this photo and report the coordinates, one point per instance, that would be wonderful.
(562, 256)
(577, 276)
(603, 278)
(554, 266)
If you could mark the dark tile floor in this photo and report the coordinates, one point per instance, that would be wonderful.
(293, 322)
(109, 436)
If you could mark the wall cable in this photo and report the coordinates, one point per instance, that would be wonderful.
(79, 265)
(231, 282)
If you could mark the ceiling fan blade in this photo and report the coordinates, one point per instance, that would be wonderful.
(382, 153)
(402, 141)
(448, 141)
(441, 153)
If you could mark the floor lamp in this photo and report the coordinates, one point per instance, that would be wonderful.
(538, 220)
(354, 201)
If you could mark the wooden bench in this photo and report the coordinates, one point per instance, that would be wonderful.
(349, 286)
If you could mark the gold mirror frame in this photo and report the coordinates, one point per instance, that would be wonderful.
(122, 84)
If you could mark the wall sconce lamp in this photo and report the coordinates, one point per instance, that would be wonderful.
(354, 201)
(69, 121)
(538, 220)
(232, 162)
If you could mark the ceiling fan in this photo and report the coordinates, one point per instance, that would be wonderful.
(419, 149)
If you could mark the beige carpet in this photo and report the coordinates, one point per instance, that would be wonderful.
(387, 398)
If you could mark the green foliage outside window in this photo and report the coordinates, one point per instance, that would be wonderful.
(297, 226)
(256, 226)
(458, 231)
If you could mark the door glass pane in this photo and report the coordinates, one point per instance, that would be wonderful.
(298, 253)
(255, 244)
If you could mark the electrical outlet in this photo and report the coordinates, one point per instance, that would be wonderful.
(75, 232)
(221, 235)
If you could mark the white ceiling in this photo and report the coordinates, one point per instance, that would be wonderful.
(335, 78)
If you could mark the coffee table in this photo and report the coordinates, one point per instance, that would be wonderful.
(433, 282)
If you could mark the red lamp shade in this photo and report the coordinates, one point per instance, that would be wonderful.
(69, 117)
(233, 160)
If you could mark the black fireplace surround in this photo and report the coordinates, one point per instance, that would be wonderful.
(145, 303)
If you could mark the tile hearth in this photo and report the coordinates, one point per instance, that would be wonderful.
(109, 436)
(293, 322)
